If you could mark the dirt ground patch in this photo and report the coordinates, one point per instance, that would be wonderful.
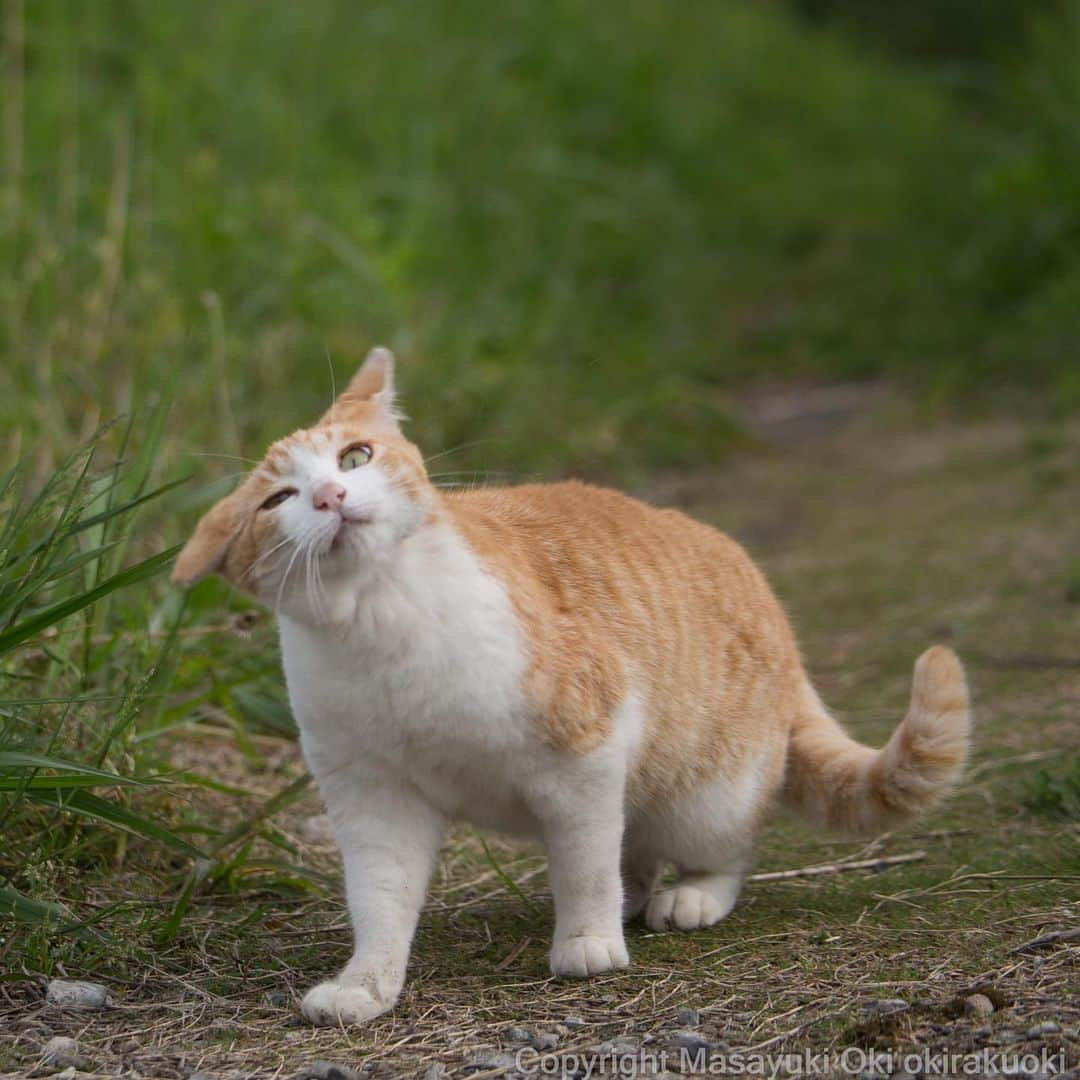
(879, 541)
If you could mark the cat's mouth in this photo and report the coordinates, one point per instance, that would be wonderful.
(345, 525)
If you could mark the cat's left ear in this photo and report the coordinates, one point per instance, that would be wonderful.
(204, 554)
(371, 390)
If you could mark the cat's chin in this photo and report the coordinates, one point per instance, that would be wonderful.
(346, 535)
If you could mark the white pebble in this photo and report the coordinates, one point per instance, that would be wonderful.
(61, 1052)
(76, 995)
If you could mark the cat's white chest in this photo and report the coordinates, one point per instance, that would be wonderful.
(423, 686)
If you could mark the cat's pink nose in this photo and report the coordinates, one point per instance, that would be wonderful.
(328, 496)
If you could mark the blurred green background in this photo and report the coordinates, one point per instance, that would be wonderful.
(582, 226)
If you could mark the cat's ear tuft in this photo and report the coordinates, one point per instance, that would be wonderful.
(375, 378)
(372, 385)
(204, 554)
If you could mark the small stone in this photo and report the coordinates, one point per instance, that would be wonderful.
(519, 1035)
(76, 995)
(328, 1070)
(1047, 1027)
(690, 1018)
(435, 1071)
(277, 999)
(574, 1022)
(978, 1006)
(545, 1040)
(884, 1007)
(484, 1060)
(620, 1046)
(60, 1052)
(690, 1041)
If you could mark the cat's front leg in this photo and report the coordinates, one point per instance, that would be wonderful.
(389, 842)
(582, 829)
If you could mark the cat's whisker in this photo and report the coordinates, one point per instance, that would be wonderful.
(461, 485)
(456, 449)
(309, 576)
(333, 382)
(288, 570)
(263, 557)
(225, 457)
(318, 592)
(477, 474)
(308, 583)
(233, 475)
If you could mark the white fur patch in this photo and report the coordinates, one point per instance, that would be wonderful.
(422, 685)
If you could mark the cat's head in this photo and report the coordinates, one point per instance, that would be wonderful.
(327, 504)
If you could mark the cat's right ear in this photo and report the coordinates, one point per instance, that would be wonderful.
(370, 392)
(205, 552)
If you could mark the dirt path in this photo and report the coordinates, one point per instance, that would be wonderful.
(879, 542)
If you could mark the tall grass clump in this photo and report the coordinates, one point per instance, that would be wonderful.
(79, 663)
(106, 834)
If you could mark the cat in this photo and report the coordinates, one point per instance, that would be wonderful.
(554, 660)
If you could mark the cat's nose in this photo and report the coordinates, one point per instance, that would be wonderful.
(328, 496)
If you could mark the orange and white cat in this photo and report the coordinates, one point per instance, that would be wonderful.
(557, 660)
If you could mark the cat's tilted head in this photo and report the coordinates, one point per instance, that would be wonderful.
(326, 505)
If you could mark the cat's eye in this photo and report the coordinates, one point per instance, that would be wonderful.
(354, 457)
(278, 498)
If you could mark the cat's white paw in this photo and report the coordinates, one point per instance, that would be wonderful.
(333, 1004)
(579, 957)
(686, 908)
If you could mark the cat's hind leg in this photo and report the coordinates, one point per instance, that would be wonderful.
(708, 834)
(701, 897)
(696, 901)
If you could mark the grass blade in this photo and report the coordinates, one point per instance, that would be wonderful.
(503, 876)
(23, 909)
(54, 614)
(20, 759)
(84, 804)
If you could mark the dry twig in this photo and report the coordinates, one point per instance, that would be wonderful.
(839, 867)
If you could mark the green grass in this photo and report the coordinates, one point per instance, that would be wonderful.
(1056, 794)
(63, 557)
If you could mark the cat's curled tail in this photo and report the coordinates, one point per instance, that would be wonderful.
(840, 783)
